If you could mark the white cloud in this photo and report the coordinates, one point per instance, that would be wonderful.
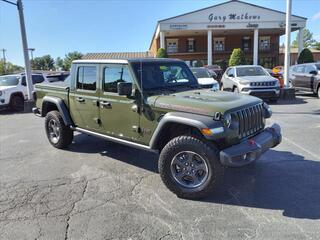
(316, 16)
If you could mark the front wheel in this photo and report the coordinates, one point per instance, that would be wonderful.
(17, 103)
(190, 167)
(59, 135)
(318, 92)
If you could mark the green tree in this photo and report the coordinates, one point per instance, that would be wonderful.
(9, 68)
(45, 62)
(308, 40)
(59, 63)
(162, 53)
(305, 56)
(237, 57)
(69, 58)
(316, 45)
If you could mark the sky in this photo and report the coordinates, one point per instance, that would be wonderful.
(57, 27)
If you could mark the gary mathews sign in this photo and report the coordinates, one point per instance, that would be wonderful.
(232, 17)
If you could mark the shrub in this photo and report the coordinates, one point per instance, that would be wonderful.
(237, 57)
(305, 56)
(162, 53)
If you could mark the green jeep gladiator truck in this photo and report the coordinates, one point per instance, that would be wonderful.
(157, 105)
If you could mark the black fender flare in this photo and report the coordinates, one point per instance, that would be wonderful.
(189, 119)
(61, 106)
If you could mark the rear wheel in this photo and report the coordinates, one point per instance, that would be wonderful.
(190, 167)
(17, 103)
(59, 135)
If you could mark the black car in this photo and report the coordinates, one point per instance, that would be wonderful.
(306, 77)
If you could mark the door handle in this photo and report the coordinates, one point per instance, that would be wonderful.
(80, 99)
(105, 104)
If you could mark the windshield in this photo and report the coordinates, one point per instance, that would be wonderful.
(9, 80)
(163, 75)
(250, 71)
(200, 73)
(318, 66)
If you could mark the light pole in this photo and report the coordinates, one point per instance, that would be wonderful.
(31, 52)
(25, 47)
(287, 46)
(4, 60)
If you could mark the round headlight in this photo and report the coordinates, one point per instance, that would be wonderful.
(227, 120)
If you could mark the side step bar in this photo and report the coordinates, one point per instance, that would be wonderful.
(114, 139)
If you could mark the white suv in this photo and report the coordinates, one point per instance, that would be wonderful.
(252, 80)
(13, 90)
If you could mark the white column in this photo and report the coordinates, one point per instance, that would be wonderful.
(162, 40)
(300, 40)
(287, 44)
(255, 46)
(209, 47)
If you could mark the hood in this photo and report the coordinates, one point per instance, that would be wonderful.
(204, 102)
(206, 81)
(257, 78)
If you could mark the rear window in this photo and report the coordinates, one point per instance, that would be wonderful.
(87, 78)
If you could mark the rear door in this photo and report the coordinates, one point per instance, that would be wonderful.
(119, 114)
(298, 77)
(308, 80)
(84, 99)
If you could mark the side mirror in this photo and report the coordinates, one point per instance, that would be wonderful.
(231, 75)
(124, 88)
(313, 72)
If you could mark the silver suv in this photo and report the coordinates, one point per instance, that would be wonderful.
(252, 80)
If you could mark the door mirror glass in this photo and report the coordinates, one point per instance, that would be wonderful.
(231, 75)
(124, 88)
(313, 72)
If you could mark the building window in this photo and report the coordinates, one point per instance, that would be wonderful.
(264, 43)
(190, 45)
(172, 45)
(218, 44)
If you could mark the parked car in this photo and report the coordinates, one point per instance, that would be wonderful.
(157, 105)
(215, 69)
(13, 90)
(306, 77)
(252, 80)
(205, 78)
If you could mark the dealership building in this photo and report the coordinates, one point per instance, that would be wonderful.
(209, 35)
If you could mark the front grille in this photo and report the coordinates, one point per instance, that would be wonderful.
(273, 83)
(250, 120)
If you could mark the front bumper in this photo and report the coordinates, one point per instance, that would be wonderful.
(251, 149)
(262, 92)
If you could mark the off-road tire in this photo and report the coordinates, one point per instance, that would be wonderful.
(17, 103)
(66, 134)
(206, 150)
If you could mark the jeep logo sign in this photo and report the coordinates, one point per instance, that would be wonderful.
(232, 17)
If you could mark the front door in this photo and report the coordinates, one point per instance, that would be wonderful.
(298, 81)
(308, 79)
(84, 99)
(119, 114)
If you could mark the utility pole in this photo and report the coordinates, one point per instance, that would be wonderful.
(31, 53)
(4, 60)
(25, 51)
(25, 47)
(287, 46)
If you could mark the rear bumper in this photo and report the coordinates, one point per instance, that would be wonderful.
(251, 149)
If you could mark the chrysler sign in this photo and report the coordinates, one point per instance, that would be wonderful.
(232, 17)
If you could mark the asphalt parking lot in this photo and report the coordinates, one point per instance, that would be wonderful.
(102, 190)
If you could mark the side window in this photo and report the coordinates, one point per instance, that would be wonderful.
(230, 71)
(114, 74)
(37, 79)
(300, 69)
(309, 68)
(87, 78)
